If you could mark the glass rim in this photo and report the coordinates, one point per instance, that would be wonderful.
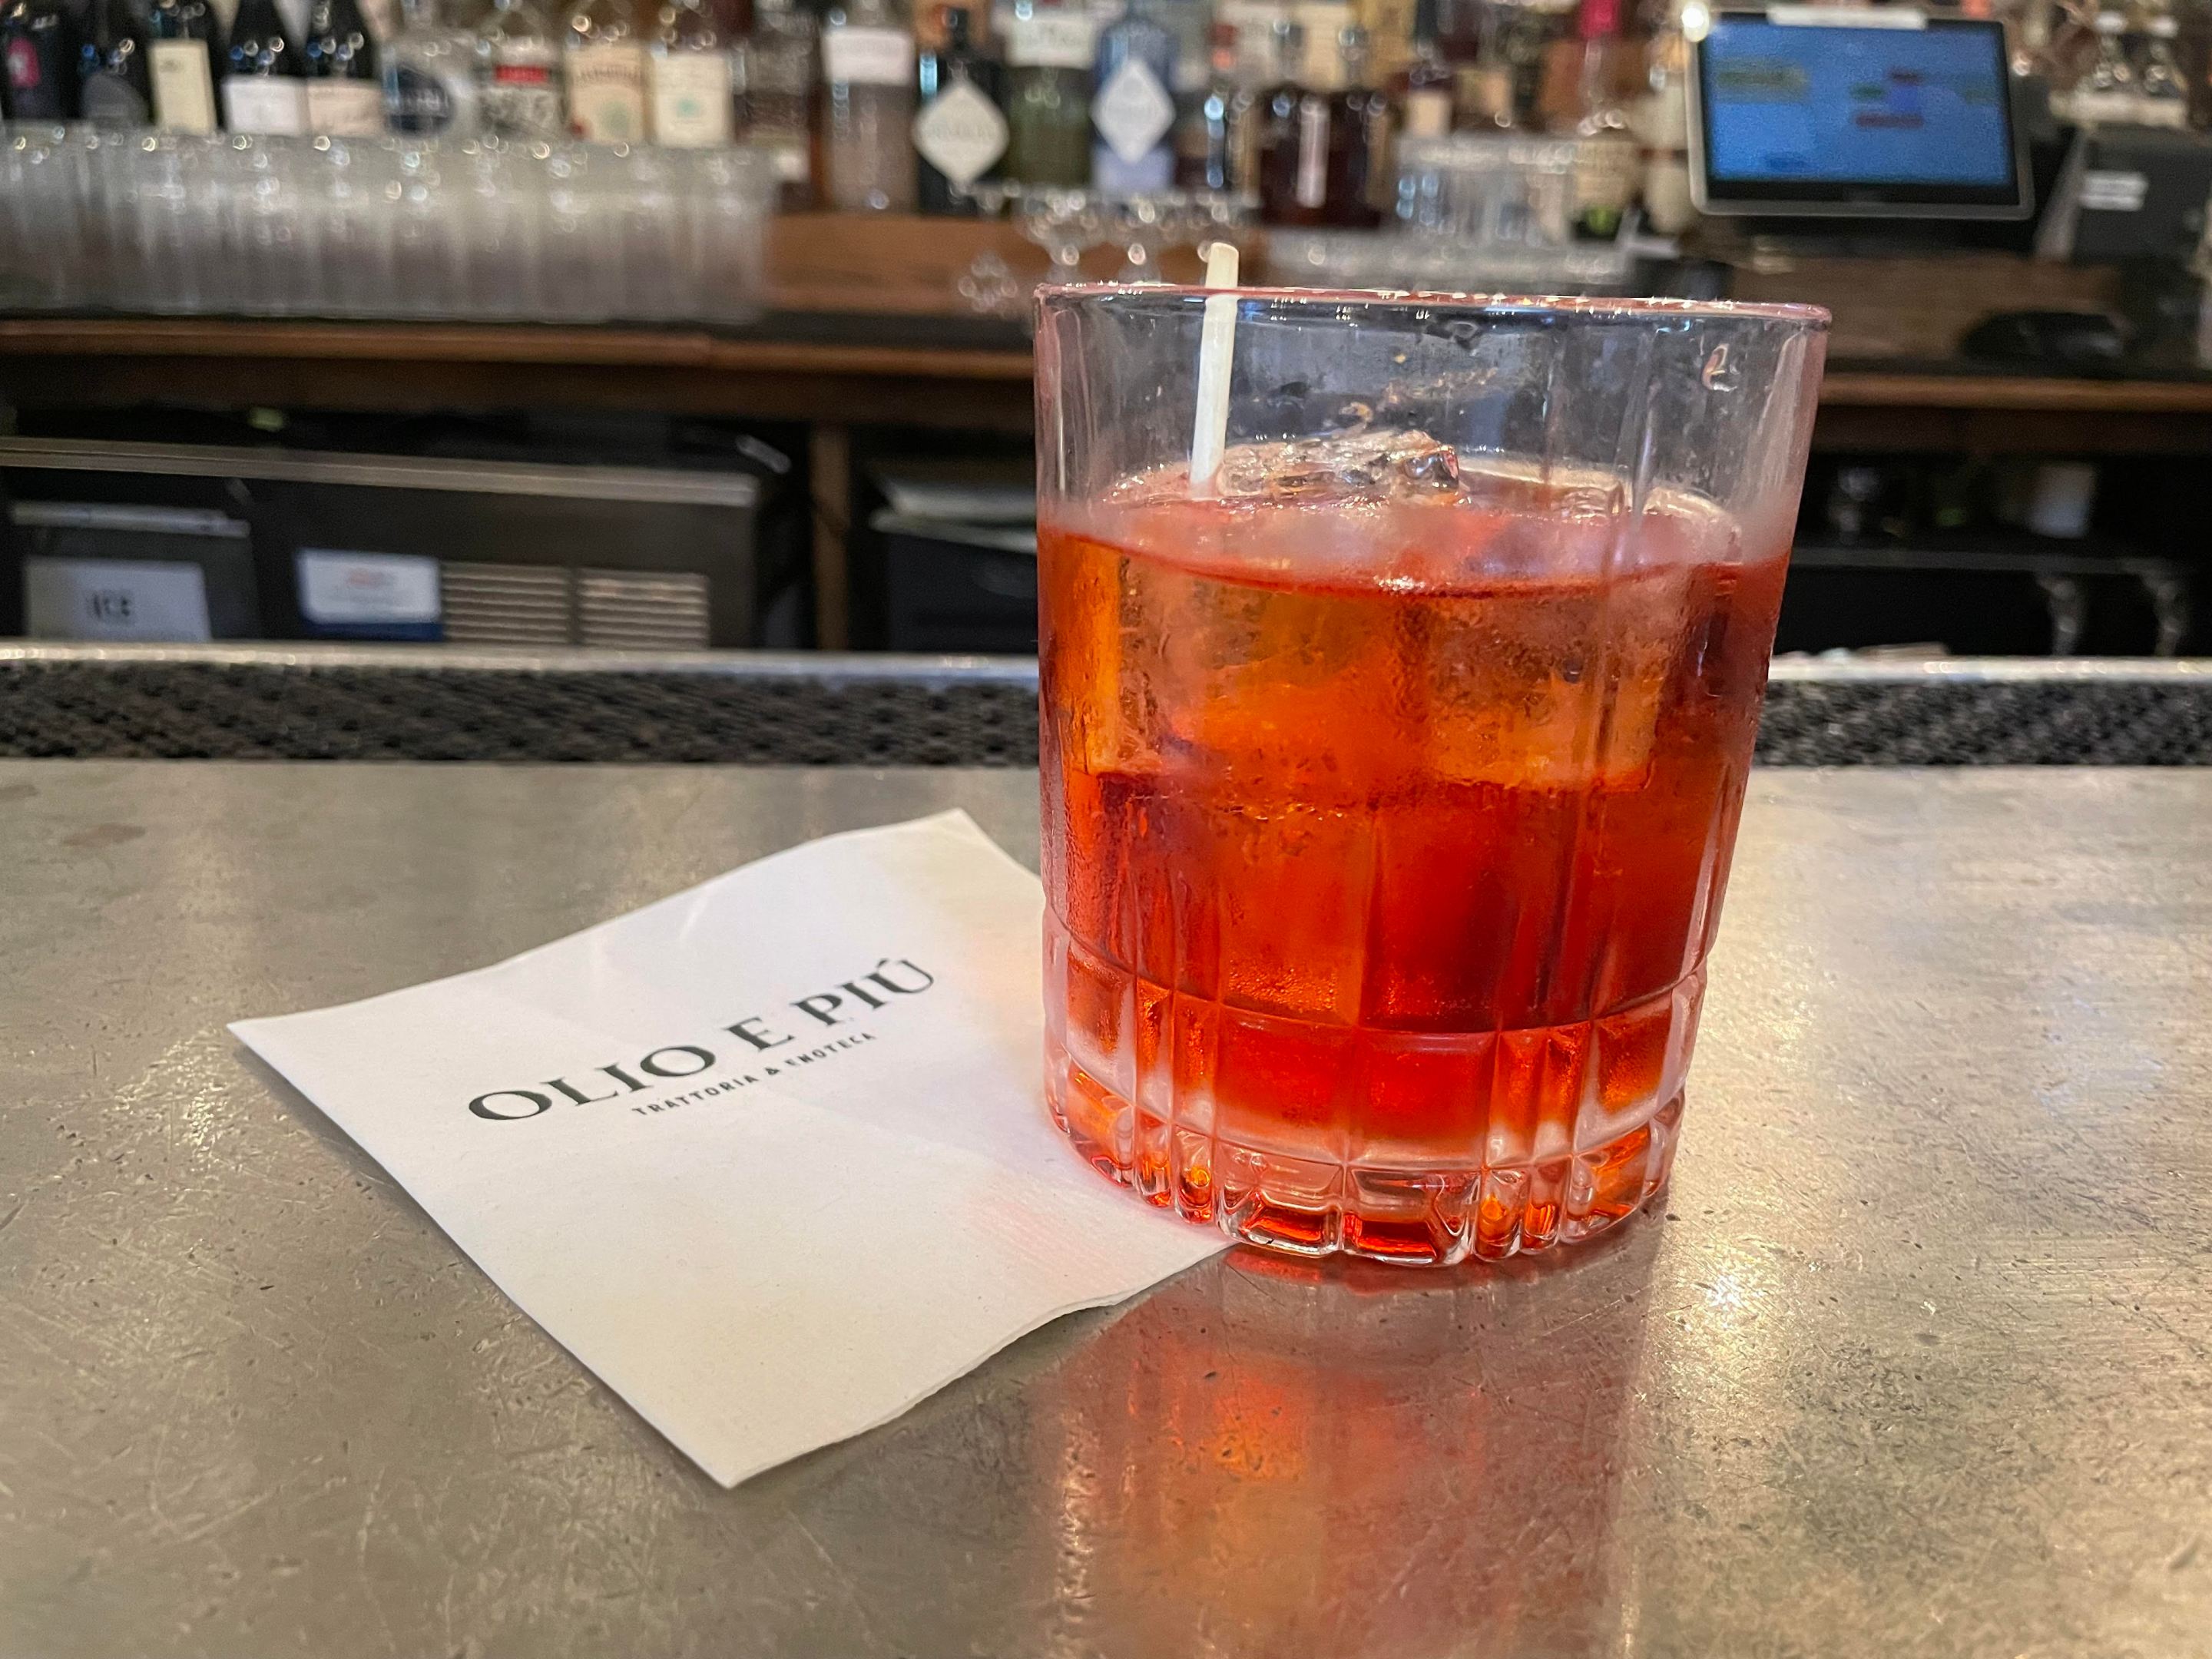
(1815, 319)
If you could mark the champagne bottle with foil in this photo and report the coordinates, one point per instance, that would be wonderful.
(39, 51)
(345, 82)
(264, 86)
(867, 107)
(182, 51)
(605, 63)
(1133, 112)
(1050, 48)
(521, 56)
(113, 86)
(687, 77)
(960, 134)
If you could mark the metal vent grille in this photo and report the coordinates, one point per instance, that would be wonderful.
(505, 603)
(643, 610)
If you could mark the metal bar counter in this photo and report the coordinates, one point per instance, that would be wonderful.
(1915, 1357)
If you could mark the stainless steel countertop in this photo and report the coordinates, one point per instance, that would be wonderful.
(1918, 1358)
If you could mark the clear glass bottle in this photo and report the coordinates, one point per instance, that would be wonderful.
(1050, 48)
(430, 84)
(264, 84)
(777, 97)
(867, 107)
(687, 77)
(1133, 112)
(960, 133)
(1424, 84)
(345, 87)
(604, 65)
(522, 93)
(182, 51)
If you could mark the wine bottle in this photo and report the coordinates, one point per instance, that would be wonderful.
(39, 49)
(345, 92)
(960, 133)
(264, 87)
(522, 96)
(1049, 50)
(780, 76)
(182, 52)
(113, 87)
(687, 77)
(606, 73)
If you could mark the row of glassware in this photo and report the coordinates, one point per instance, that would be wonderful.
(379, 227)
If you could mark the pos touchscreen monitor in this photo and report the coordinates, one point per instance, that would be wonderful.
(1864, 112)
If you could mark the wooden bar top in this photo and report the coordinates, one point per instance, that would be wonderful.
(637, 348)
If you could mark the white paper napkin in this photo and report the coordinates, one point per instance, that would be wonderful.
(769, 1156)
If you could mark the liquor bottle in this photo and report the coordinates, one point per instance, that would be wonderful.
(1293, 145)
(2161, 91)
(38, 46)
(687, 77)
(1213, 150)
(263, 82)
(1133, 111)
(1359, 136)
(521, 60)
(113, 87)
(1608, 158)
(430, 85)
(960, 134)
(867, 107)
(778, 95)
(606, 73)
(345, 87)
(1425, 85)
(1050, 49)
(181, 52)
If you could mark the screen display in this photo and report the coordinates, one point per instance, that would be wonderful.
(1835, 113)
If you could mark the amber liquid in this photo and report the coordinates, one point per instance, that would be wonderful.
(1382, 858)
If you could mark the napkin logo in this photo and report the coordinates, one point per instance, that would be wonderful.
(892, 979)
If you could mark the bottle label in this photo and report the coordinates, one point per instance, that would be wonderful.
(264, 103)
(868, 58)
(112, 101)
(415, 100)
(1427, 113)
(606, 94)
(691, 99)
(184, 86)
(522, 99)
(1605, 170)
(1057, 38)
(1133, 111)
(961, 133)
(345, 109)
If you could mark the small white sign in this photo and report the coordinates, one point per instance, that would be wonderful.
(114, 599)
(341, 589)
(2114, 191)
